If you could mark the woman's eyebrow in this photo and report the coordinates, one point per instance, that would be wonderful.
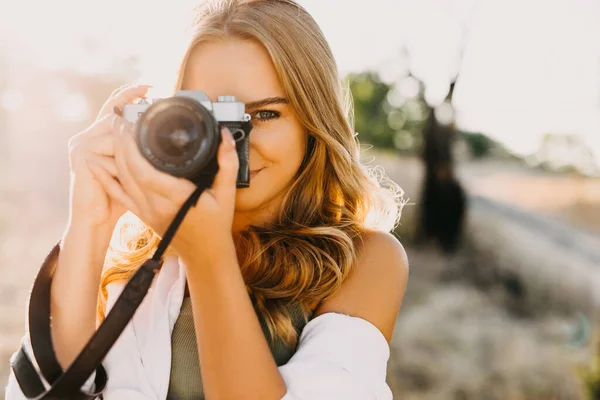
(266, 102)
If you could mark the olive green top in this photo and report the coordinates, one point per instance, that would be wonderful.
(186, 381)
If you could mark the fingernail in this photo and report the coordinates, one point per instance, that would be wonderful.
(118, 111)
(228, 137)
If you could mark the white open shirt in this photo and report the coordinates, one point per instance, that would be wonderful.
(338, 356)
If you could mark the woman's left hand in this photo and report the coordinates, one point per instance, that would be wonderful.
(158, 196)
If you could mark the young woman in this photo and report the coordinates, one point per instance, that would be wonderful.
(287, 289)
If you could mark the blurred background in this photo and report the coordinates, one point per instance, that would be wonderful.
(486, 112)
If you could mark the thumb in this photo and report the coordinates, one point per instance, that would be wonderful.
(224, 185)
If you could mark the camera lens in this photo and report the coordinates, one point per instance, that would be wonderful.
(178, 135)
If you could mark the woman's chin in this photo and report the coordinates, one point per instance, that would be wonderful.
(256, 200)
(248, 199)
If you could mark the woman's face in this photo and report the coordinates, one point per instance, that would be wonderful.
(243, 68)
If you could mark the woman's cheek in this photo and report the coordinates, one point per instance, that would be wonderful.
(280, 140)
(267, 140)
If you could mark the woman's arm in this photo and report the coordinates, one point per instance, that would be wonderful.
(74, 291)
(235, 359)
(344, 350)
(339, 357)
(73, 298)
(375, 288)
(94, 209)
(126, 375)
(234, 356)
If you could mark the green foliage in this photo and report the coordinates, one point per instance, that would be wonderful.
(370, 105)
(479, 143)
(380, 124)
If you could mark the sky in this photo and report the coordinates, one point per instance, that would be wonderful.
(529, 67)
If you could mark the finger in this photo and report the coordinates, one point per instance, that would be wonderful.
(98, 139)
(128, 95)
(127, 179)
(224, 185)
(123, 87)
(105, 162)
(112, 186)
(105, 109)
(124, 96)
(103, 145)
(107, 125)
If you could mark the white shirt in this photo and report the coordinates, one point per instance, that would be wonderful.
(338, 356)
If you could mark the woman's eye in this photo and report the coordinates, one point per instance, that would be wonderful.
(266, 115)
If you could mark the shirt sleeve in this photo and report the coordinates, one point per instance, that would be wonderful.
(338, 357)
(13, 390)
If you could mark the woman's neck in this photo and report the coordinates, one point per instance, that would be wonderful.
(257, 217)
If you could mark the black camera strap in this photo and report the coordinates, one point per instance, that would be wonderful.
(67, 384)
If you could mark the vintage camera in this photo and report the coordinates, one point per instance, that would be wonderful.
(181, 134)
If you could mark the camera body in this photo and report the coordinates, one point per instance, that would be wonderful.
(180, 135)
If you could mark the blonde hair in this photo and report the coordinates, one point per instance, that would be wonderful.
(305, 255)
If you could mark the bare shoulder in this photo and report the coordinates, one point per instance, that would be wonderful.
(375, 288)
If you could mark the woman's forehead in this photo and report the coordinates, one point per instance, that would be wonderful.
(241, 68)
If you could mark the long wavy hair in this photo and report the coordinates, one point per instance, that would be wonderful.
(307, 252)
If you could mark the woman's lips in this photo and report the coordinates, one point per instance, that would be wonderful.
(254, 173)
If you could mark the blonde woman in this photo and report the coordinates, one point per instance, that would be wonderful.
(288, 289)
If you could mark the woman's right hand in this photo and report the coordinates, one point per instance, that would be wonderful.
(91, 159)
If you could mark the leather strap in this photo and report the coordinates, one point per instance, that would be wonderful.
(41, 343)
(67, 384)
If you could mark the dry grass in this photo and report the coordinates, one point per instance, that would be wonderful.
(461, 334)
(457, 344)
